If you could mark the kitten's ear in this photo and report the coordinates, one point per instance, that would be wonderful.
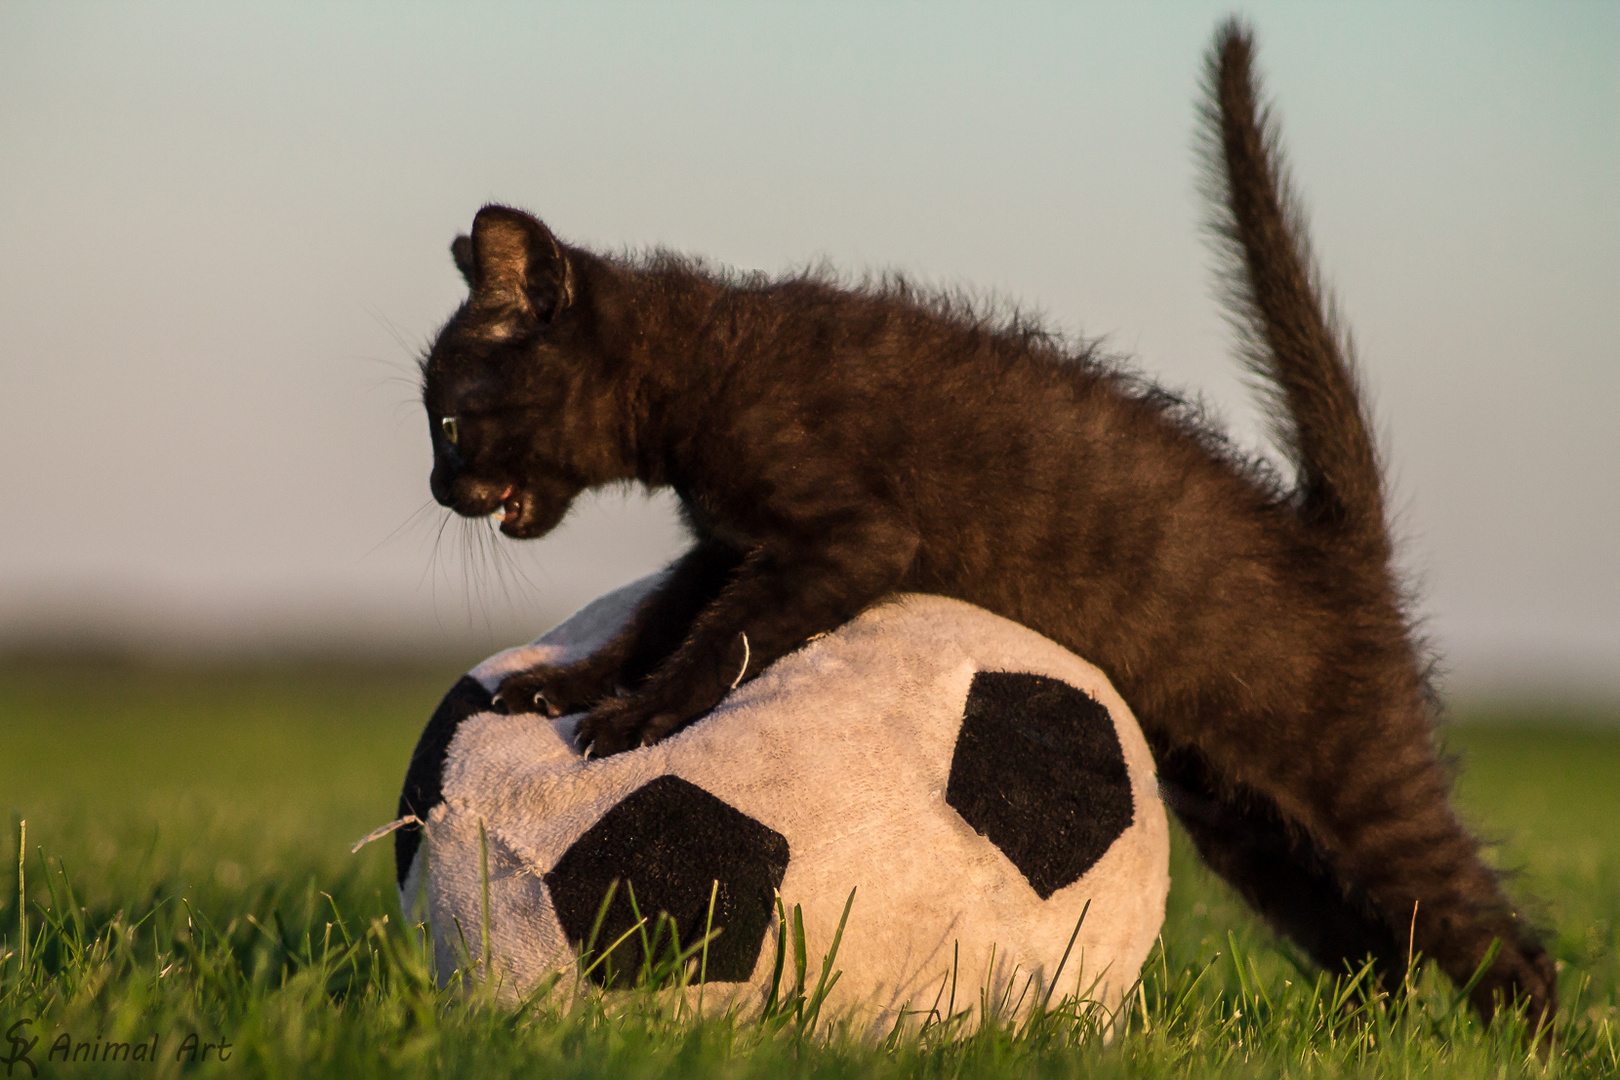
(461, 250)
(520, 274)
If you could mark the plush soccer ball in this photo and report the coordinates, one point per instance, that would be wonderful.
(978, 786)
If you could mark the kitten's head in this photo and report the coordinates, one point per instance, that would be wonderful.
(508, 386)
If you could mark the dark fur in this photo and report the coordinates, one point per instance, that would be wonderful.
(832, 444)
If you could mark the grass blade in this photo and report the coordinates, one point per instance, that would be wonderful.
(22, 899)
(1066, 950)
(708, 931)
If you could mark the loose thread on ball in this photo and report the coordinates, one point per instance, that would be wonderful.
(742, 670)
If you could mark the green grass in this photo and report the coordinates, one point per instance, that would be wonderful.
(188, 872)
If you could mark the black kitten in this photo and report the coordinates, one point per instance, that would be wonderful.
(831, 445)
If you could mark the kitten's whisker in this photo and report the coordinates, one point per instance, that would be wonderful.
(472, 596)
(393, 330)
(526, 586)
(414, 518)
(433, 557)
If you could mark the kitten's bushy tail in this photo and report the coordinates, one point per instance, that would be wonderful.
(1288, 332)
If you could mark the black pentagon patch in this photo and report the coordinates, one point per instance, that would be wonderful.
(424, 776)
(1039, 772)
(670, 841)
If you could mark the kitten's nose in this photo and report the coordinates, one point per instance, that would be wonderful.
(442, 482)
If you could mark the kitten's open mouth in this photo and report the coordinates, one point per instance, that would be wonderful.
(511, 507)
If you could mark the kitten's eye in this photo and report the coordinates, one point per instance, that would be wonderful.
(448, 423)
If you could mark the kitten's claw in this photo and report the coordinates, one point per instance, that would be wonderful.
(550, 691)
(620, 724)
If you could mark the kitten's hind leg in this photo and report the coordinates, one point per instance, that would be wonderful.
(656, 629)
(1346, 841)
(1390, 829)
(1279, 870)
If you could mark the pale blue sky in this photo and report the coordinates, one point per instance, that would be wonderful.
(223, 236)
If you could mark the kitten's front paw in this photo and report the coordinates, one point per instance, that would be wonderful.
(624, 724)
(551, 691)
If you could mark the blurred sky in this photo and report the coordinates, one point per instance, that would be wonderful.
(224, 230)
